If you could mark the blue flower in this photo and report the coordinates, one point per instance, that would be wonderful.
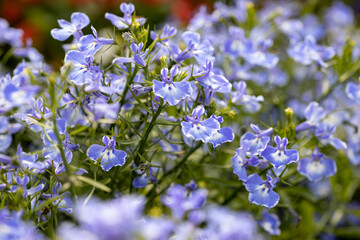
(242, 159)
(201, 51)
(261, 192)
(279, 156)
(199, 130)
(353, 91)
(166, 33)
(181, 199)
(83, 71)
(324, 132)
(313, 114)
(208, 78)
(308, 51)
(241, 97)
(124, 22)
(258, 141)
(78, 22)
(270, 223)
(222, 135)
(92, 43)
(317, 167)
(146, 173)
(172, 92)
(108, 155)
(139, 55)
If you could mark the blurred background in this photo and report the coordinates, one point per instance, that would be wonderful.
(38, 17)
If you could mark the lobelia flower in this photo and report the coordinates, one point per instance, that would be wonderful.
(172, 92)
(317, 167)
(139, 55)
(261, 192)
(241, 97)
(13, 227)
(280, 156)
(124, 22)
(324, 132)
(22, 182)
(92, 43)
(222, 135)
(258, 141)
(181, 199)
(97, 219)
(78, 21)
(64, 204)
(201, 51)
(208, 78)
(83, 71)
(308, 51)
(146, 174)
(270, 223)
(199, 130)
(353, 92)
(108, 155)
(242, 159)
(166, 33)
(313, 114)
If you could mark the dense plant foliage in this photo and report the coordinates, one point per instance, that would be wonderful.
(242, 126)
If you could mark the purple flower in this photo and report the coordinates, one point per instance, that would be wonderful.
(313, 114)
(280, 156)
(317, 167)
(172, 92)
(200, 50)
(181, 199)
(108, 155)
(261, 192)
(125, 21)
(78, 22)
(242, 159)
(353, 91)
(270, 223)
(258, 141)
(92, 43)
(199, 130)
(308, 51)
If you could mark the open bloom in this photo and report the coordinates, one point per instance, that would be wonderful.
(258, 141)
(108, 155)
(280, 156)
(172, 92)
(78, 21)
(261, 192)
(199, 130)
(313, 114)
(125, 21)
(317, 167)
(308, 51)
(242, 159)
(92, 43)
(181, 199)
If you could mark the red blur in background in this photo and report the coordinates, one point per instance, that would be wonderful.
(16, 11)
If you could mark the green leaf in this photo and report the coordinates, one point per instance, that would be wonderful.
(94, 183)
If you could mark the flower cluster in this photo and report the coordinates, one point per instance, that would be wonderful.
(150, 122)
